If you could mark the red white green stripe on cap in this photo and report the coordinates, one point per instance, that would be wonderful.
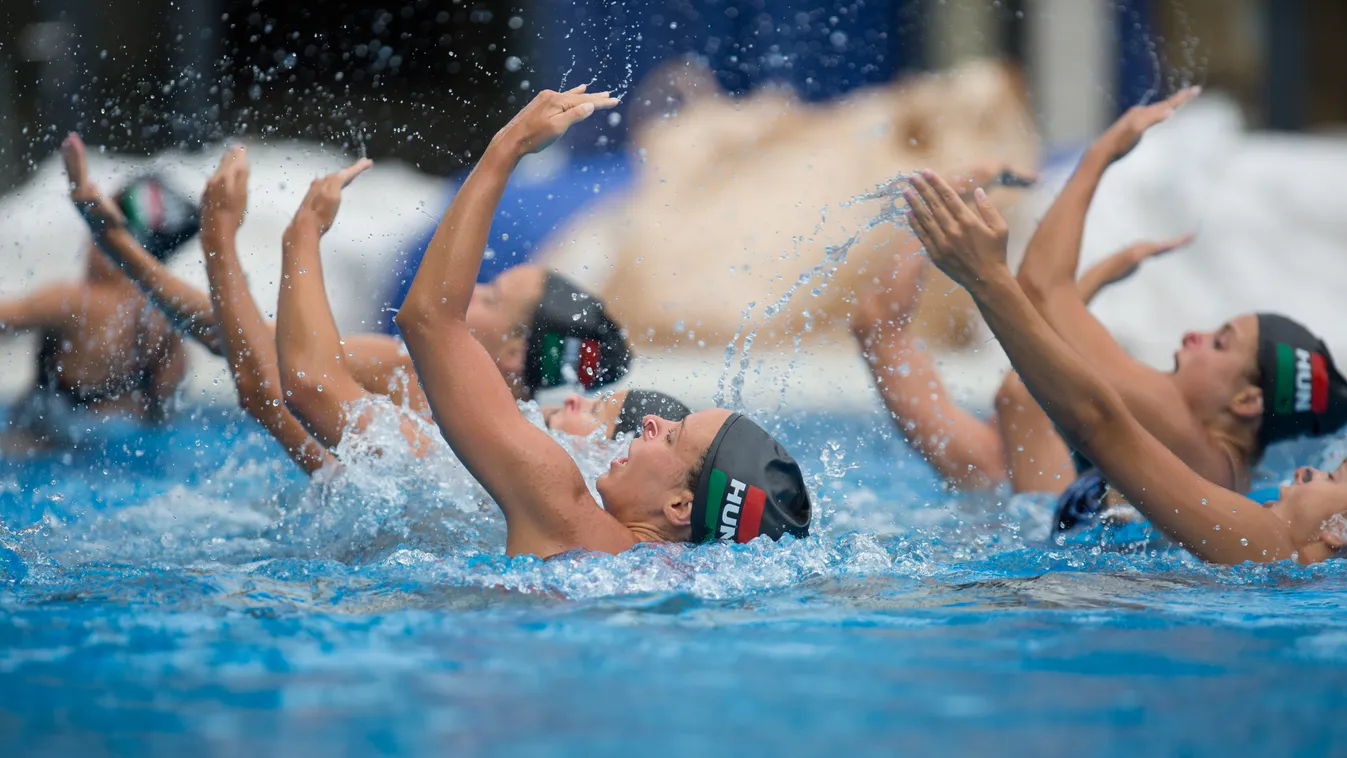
(560, 352)
(733, 509)
(1302, 381)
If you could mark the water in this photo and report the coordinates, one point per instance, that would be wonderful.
(188, 592)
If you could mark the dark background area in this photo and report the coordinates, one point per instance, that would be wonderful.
(429, 82)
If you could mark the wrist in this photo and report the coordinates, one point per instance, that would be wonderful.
(505, 149)
(994, 280)
(304, 224)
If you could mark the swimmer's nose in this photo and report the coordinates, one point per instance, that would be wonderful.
(1305, 474)
(1192, 339)
(573, 402)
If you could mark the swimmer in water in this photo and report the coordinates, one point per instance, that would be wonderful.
(104, 350)
(1205, 517)
(1219, 409)
(228, 322)
(715, 475)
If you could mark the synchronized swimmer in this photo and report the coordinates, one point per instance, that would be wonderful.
(1179, 447)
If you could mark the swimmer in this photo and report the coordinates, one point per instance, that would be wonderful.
(715, 475)
(1205, 517)
(614, 414)
(227, 321)
(1218, 410)
(104, 350)
(967, 451)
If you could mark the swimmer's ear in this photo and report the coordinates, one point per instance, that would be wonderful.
(679, 512)
(1248, 403)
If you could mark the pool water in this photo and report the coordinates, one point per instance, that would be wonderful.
(188, 592)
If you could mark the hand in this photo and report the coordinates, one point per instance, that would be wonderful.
(324, 198)
(98, 210)
(1126, 132)
(1124, 263)
(225, 200)
(968, 246)
(548, 116)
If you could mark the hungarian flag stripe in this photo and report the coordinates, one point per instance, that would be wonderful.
(588, 369)
(750, 517)
(1318, 383)
(1285, 402)
(551, 355)
(715, 500)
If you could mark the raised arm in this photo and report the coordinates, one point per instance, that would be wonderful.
(1047, 278)
(1053, 255)
(43, 307)
(186, 306)
(536, 484)
(962, 448)
(1207, 519)
(1123, 264)
(249, 344)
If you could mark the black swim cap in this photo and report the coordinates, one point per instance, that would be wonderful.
(642, 403)
(573, 341)
(1303, 393)
(749, 486)
(159, 217)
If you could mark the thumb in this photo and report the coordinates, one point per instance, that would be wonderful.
(1169, 245)
(990, 216)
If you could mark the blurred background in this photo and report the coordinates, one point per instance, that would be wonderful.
(789, 90)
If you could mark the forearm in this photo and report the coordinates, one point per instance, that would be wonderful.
(1053, 254)
(186, 306)
(306, 332)
(1082, 405)
(448, 271)
(961, 447)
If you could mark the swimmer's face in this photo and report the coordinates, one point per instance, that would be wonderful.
(580, 416)
(1217, 371)
(649, 486)
(499, 314)
(1315, 508)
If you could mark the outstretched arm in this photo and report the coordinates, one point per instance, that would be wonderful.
(1123, 264)
(1047, 278)
(1207, 519)
(186, 306)
(249, 345)
(547, 507)
(962, 448)
(41, 308)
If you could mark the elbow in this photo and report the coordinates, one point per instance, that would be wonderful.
(1034, 287)
(302, 390)
(1097, 428)
(414, 318)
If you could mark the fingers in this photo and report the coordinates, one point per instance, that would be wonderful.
(76, 161)
(577, 90)
(940, 220)
(990, 216)
(921, 220)
(348, 174)
(1178, 99)
(947, 195)
(599, 100)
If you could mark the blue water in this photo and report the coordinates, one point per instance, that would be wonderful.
(187, 592)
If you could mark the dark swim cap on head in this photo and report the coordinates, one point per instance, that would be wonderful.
(1303, 393)
(573, 341)
(749, 486)
(160, 218)
(642, 403)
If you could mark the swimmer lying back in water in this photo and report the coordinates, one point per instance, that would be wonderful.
(228, 322)
(715, 475)
(1217, 525)
(1218, 410)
